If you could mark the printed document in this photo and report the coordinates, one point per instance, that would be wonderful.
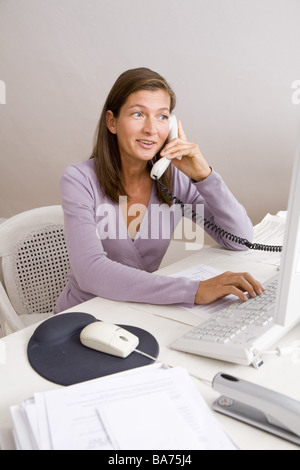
(151, 407)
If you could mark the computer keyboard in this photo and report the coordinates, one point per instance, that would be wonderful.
(235, 333)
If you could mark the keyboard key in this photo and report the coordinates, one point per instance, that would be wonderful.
(238, 325)
(210, 338)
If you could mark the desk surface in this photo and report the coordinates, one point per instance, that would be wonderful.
(19, 381)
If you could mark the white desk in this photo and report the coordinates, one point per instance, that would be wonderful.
(19, 381)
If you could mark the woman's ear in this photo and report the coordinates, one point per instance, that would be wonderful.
(111, 121)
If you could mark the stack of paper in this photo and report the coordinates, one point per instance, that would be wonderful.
(270, 231)
(149, 408)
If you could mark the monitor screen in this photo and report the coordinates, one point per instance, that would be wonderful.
(287, 308)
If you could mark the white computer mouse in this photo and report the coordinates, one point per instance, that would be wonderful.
(109, 338)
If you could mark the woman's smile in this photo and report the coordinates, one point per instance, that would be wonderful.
(146, 144)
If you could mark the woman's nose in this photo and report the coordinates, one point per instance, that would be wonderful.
(149, 126)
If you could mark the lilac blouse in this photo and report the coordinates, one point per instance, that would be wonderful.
(106, 262)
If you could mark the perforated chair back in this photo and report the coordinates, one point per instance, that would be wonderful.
(34, 264)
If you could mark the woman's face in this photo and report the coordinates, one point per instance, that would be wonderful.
(142, 125)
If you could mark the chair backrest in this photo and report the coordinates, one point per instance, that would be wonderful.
(34, 256)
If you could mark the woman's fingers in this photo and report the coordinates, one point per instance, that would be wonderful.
(193, 163)
(247, 283)
(178, 148)
(181, 133)
(226, 284)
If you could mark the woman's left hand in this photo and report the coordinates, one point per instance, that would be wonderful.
(193, 164)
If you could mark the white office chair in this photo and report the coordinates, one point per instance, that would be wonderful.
(34, 266)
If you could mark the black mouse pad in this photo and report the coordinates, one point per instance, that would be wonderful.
(56, 353)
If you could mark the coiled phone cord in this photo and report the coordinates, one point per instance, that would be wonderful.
(213, 227)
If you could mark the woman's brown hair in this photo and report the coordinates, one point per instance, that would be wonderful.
(106, 150)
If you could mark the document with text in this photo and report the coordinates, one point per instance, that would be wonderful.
(153, 407)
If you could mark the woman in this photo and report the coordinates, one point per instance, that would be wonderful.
(109, 202)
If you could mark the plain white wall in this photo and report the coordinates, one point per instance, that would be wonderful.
(232, 64)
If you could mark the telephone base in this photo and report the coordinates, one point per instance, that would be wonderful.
(252, 416)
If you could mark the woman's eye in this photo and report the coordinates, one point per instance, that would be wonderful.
(137, 114)
(163, 117)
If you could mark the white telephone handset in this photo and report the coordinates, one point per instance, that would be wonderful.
(162, 164)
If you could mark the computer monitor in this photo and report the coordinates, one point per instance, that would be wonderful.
(287, 307)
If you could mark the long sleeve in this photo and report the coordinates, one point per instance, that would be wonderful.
(105, 261)
(220, 207)
(93, 272)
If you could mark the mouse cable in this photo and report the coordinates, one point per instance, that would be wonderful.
(206, 381)
(213, 227)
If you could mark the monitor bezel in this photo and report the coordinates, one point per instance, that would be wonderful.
(286, 312)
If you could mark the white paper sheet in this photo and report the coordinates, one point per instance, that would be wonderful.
(96, 415)
(201, 272)
(270, 231)
(145, 423)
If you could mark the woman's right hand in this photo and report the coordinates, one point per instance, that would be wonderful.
(226, 284)
(192, 164)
